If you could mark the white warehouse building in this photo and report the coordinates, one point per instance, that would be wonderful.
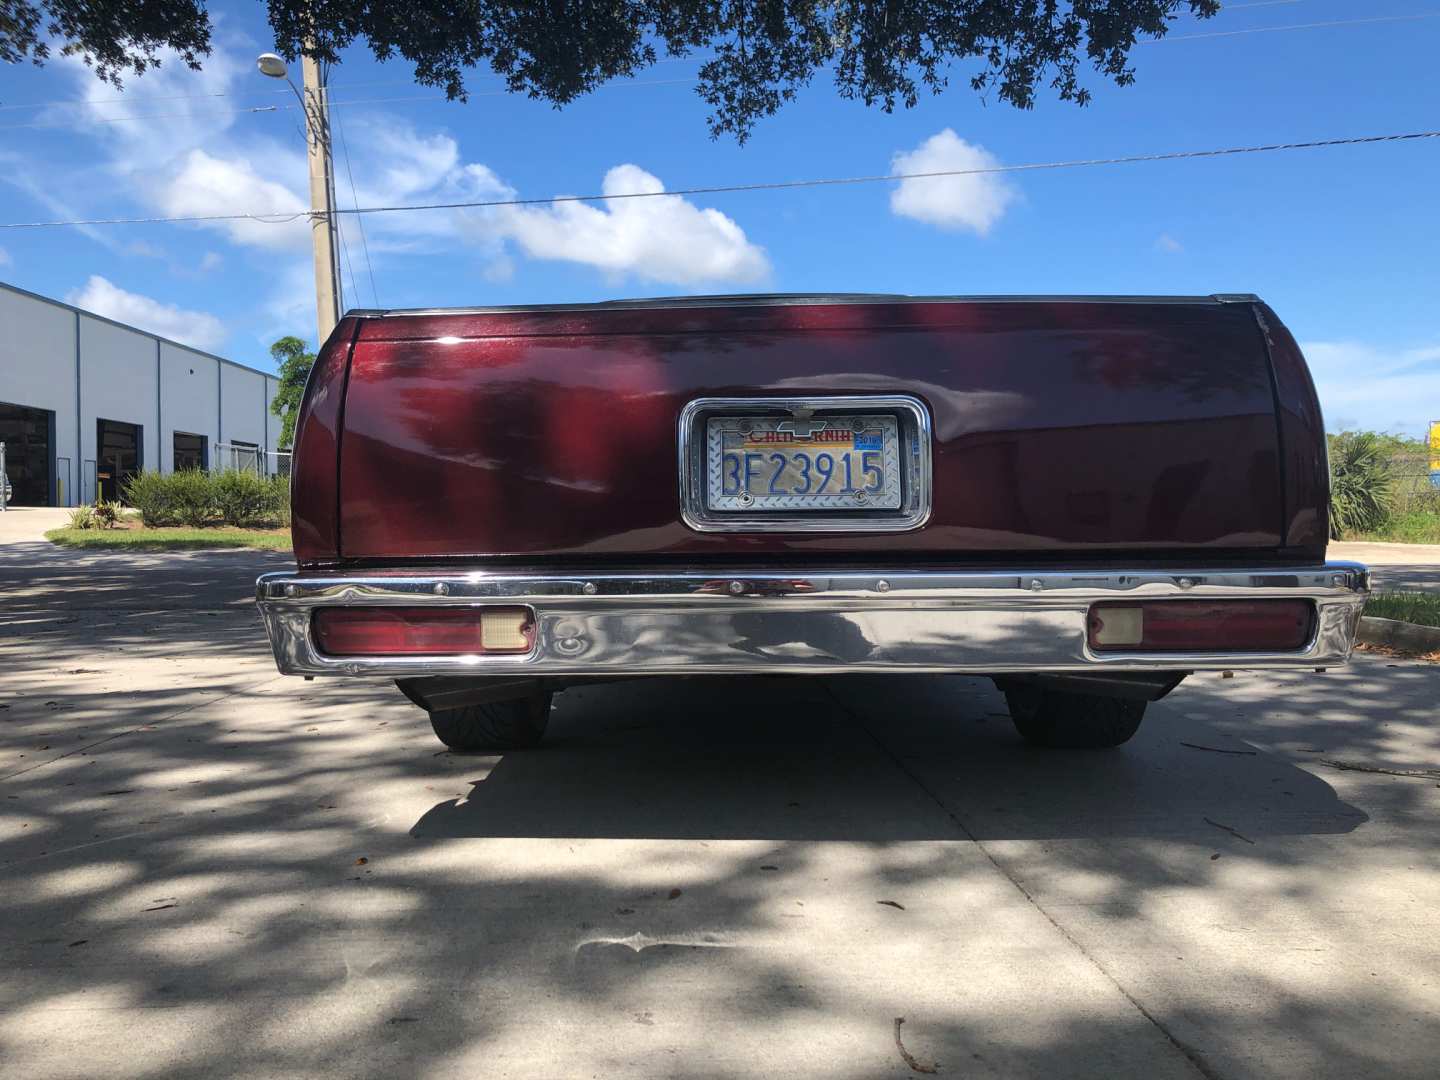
(86, 401)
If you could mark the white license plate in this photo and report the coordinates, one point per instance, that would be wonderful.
(784, 463)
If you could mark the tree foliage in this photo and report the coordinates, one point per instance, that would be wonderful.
(112, 36)
(293, 363)
(756, 55)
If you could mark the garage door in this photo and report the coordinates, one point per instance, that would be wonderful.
(26, 435)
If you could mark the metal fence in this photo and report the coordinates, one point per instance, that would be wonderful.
(247, 458)
(1414, 484)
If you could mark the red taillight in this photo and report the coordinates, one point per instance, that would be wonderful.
(441, 631)
(1201, 626)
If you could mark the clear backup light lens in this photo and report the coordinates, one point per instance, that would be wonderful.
(1202, 626)
(1112, 626)
(440, 631)
(505, 629)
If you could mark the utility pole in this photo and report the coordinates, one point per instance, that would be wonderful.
(324, 234)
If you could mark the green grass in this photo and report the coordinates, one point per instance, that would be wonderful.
(1411, 607)
(1413, 527)
(170, 539)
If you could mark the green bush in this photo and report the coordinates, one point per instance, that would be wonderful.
(153, 496)
(196, 499)
(1361, 483)
(193, 498)
(98, 515)
(244, 498)
(280, 499)
(107, 513)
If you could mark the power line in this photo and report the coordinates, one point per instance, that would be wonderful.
(345, 253)
(1290, 26)
(333, 104)
(138, 98)
(135, 98)
(284, 217)
(360, 221)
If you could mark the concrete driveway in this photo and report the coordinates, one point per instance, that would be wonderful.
(30, 523)
(209, 870)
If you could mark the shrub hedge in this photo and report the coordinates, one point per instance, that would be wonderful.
(195, 498)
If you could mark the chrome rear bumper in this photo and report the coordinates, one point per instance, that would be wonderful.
(987, 622)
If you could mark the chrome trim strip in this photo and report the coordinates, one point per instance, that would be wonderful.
(915, 438)
(794, 300)
(692, 622)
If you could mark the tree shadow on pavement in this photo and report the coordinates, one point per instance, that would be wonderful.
(209, 870)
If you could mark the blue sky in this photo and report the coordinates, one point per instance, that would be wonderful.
(1343, 242)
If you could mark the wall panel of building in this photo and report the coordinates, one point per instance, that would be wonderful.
(189, 398)
(37, 370)
(80, 367)
(243, 406)
(117, 382)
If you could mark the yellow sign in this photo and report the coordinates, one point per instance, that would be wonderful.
(1434, 449)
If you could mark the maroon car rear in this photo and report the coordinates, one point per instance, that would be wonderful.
(1084, 498)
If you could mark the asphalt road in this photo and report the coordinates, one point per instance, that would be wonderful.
(209, 870)
(1395, 567)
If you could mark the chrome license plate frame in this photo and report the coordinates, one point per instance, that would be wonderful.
(899, 503)
(772, 464)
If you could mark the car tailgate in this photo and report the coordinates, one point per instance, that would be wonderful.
(1059, 426)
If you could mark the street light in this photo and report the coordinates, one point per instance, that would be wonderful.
(272, 65)
(314, 103)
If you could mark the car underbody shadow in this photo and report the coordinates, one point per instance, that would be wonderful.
(871, 759)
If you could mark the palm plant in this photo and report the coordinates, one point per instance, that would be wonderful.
(1361, 483)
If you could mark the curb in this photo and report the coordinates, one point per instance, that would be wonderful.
(1399, 635)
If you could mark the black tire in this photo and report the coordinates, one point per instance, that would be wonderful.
(1073, 721)
(498, 725)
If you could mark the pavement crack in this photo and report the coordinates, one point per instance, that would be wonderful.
(1188, 1052)
(1226, 828)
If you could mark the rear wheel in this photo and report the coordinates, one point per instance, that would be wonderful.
(515, 724)
(1075, 721)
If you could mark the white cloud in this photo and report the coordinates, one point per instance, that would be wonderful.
(656, 238)
(205, 184)
(666, 239)
(974, 202)
(5, 259)
(406, 162)
(200, 164)
(289, 307)
(188, 162)
(1166, 242)
(21, 173)
(193, 104)
(104, 297)
(1366, 386)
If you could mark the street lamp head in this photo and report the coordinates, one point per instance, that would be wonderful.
(272, 65)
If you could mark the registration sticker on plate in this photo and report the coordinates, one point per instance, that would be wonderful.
(787, 463)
